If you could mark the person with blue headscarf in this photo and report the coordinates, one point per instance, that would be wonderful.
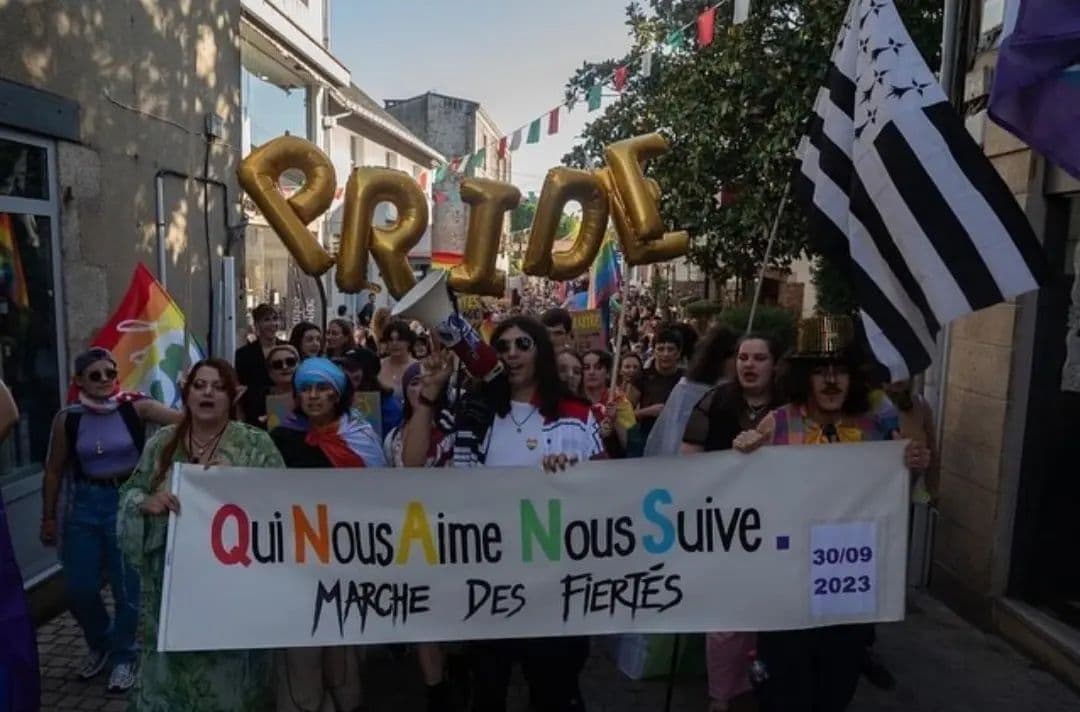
(323, 431)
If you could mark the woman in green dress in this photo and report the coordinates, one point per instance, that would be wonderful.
(214, 681)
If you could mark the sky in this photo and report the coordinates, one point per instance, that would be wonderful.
(512, 56)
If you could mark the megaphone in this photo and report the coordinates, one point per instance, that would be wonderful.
(430, 303)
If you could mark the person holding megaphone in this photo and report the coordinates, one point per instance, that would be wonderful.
(519, 415)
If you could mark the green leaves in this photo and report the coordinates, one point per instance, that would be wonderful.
(734, 114)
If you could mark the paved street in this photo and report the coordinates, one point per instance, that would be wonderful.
(942, 663)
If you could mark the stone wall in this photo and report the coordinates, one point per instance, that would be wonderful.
(977, 492)
(144, 76)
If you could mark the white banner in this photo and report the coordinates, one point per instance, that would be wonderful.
(789, 537)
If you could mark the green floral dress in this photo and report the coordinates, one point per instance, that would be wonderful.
(214, 681)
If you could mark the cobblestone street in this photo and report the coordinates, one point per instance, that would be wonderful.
(941, 663)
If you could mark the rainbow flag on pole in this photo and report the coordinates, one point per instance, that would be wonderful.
(12, 276)
(604, 276)
(148, 336)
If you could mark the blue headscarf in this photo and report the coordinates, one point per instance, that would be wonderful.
(319, 370)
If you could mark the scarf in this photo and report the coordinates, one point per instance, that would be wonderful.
(348, 442)
(111, 404)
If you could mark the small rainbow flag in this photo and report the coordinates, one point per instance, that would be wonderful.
(12, 276)
(604, 276)
(148, 336)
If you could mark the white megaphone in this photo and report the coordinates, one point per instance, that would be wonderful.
(428, 302)
(431, 304)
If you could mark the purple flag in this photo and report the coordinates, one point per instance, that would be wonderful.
(1036, 92)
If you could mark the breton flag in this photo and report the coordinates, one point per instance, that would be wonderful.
(903, 196)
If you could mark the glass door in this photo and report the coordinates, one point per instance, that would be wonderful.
(32, 358)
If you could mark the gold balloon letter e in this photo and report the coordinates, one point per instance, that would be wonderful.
(634, 202)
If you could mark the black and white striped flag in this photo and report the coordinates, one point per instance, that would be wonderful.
(904, 197)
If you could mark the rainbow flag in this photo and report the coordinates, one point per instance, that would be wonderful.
(12, 276)
(148, 336)
(604, 276)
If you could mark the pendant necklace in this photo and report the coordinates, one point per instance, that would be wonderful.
(99, 450)
(523, 422)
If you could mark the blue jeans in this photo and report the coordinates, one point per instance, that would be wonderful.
(91, 552)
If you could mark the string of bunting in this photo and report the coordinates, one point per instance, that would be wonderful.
(531, 132)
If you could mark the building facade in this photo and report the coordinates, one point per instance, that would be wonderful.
(114, 116)
(454, 127)
(288, 75)
(362, 133)
(1009, 404)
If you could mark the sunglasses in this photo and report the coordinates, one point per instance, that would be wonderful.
(105, 376)
(521, 343)
(283, 363)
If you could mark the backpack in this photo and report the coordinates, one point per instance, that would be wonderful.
(134, 424)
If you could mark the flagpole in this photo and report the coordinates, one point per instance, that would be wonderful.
(618, 333)
(765, 262)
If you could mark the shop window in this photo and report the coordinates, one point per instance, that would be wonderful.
(28, 332)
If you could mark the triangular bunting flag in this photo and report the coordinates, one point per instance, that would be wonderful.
(706, 24)
(742, 12)
(646, 63)
(534, 132)
(676, 39)
(553, 121)
(476, 160)
(594, 97)
(515, 141)
(620, 77)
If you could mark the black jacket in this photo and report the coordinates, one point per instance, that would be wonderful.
(252, 371)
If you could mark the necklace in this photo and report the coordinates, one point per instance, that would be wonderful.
(523, 422)
(203, 451)
(756, 412)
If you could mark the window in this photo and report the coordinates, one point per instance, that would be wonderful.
(391, 159)
(30, 348)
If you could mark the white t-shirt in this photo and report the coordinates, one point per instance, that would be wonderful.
(508, 447)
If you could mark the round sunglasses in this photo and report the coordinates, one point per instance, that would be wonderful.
(521, 343)
(282, 364)
(109, 374)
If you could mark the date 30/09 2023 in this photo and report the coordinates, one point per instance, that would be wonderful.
(842, 584)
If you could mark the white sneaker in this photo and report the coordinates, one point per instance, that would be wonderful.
(122, 678)
(92, 664)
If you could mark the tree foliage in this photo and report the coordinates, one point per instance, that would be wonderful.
(733, 113)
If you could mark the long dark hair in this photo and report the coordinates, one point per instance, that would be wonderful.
(296, 336)
(232, 386)
(550, 390)
(713, 351)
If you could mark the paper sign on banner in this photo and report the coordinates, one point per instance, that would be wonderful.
(843, 569)
(279, 558)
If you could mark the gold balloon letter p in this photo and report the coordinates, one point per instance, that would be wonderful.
(259, 174)
(367, 187)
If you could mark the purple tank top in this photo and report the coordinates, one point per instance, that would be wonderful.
(104, 445)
